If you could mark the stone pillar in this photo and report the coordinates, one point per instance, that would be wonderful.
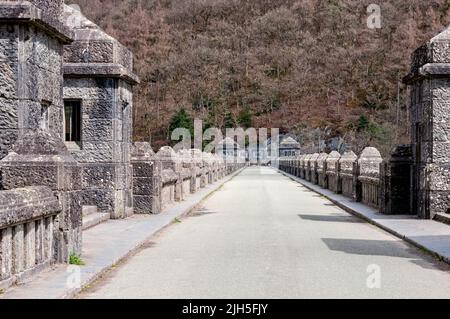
(40, 158)
(197, 158)
(313, 168)
(322, 170)
(332, 172)
(368, 177)
(147, 182)
(31, 61)
(171, 166)
(429, 86)
(396, 182)
(187, 172)
(348, 174)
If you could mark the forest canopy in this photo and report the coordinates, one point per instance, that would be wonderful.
(301, 66)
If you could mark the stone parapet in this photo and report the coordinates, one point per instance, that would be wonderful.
(322, 170)
(347, 173)
(41, 158)
(27, 235)
(369, 176)
(147, 182)
(396, 182)
(332, 172)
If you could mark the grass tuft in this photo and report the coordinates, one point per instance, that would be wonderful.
(76, 260)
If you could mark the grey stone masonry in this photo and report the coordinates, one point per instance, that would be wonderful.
(385, 185)
(313, 168)
(332, 172)
(31, 47)
(302, 166)
(27, 218)
(171, 175)
(198, 170)
(306, 165)
(369, 176)
(429, 83)
(187, 172)
(346, 174)
(146, 179)
(40, 158)
(322, 170)
(396, 182)
(98, 74)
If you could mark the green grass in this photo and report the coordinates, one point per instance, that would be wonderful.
(177, 220)
(2, 291)
(76, 260)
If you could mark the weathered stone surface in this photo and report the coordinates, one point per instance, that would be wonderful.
(369, 163)
(24, 204)
(322, 169)
(23, 235)
(332, 172)
(368, 170)
(44, 13)
(429, 80)
(147, 181)
(41, 153)
(312, 167)
(396, 182)
(347, 174)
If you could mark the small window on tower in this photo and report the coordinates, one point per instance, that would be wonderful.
(44, 120)
(72, 115)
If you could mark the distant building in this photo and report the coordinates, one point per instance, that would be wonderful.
(289, 147)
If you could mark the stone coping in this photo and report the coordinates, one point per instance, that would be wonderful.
(24, 11)
(429, 69)
(104, 70)
(26, 204)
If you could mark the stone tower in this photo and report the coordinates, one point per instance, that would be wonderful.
(31, 56)
(429, 82)
(98, 80)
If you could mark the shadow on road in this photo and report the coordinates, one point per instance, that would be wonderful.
(370, 247)
(330, 218)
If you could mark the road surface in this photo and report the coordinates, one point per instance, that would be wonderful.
(265, 236)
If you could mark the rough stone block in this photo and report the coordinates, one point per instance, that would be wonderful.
(5, 253)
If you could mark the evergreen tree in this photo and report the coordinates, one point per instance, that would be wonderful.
(245, 118)
(181, 119)
(229, 121)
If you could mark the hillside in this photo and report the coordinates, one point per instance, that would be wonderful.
(296, 65)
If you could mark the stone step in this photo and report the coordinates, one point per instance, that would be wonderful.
(89, 210)
(95, 219)
(443, 218)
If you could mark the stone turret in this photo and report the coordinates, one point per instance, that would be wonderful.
(429, 83)
(98, 81)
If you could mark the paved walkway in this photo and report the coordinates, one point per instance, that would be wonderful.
(264, 235)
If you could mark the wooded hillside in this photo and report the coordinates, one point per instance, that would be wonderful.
(296, 65)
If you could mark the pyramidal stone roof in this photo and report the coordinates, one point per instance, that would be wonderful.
(290, 142)
(94, 52)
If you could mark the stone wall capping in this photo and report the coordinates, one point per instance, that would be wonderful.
(100, 70)
(25, 11)
(22, 205)
(142, 151)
